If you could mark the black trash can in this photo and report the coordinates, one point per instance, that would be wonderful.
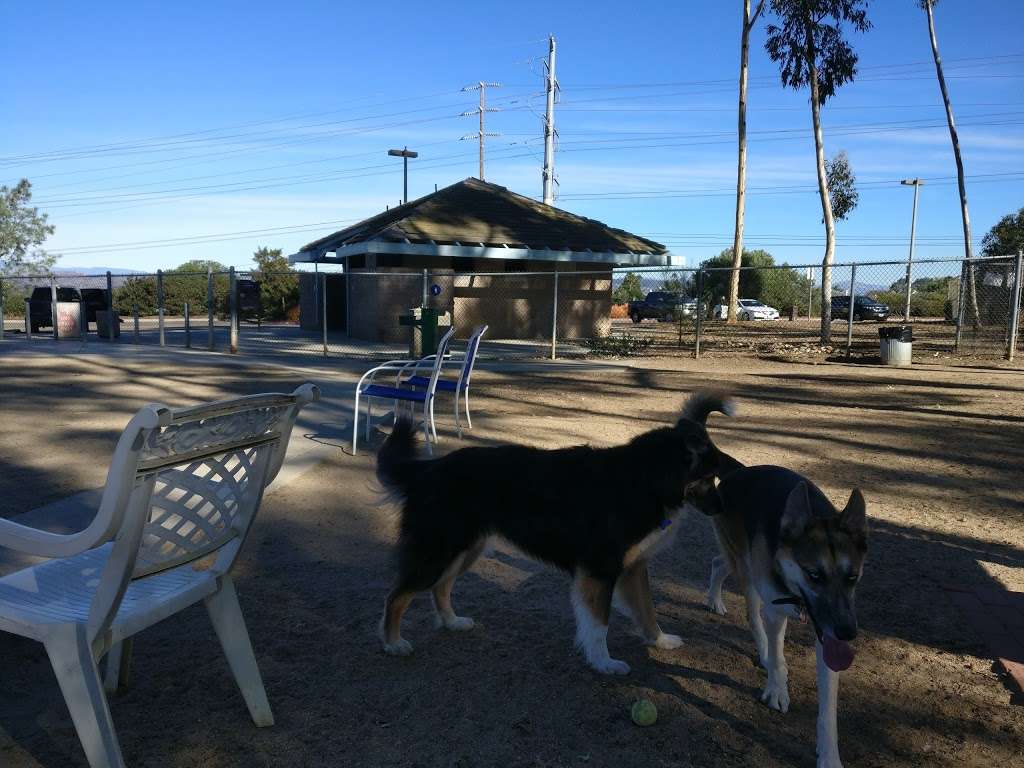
(895, 345)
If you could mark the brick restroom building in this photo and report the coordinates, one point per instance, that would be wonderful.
(493, 254)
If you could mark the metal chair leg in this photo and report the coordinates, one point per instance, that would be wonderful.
(355, 422)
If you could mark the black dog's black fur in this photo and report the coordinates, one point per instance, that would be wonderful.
(578, 507)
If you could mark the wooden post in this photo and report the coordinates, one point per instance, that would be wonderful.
(188, 329)
(110, 311)
(853, 300)
(209, 308)
(699, 325)
(1018, 273)
(233, 302)
(323, 310)
(160, 304)
(135, 321)
(554, 320)
(53, 308)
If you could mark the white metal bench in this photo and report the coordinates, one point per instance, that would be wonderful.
(183, 486)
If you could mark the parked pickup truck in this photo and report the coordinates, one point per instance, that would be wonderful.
(664, 306)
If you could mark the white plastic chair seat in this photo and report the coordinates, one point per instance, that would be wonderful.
(61, 592)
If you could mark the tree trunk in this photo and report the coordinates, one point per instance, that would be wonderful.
(967, 272)
(826, 201)
(741, 163)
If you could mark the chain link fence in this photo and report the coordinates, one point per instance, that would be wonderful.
(956, 308)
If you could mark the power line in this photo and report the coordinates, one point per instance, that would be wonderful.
(116, 193)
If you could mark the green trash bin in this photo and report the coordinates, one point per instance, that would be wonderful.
(423, 325)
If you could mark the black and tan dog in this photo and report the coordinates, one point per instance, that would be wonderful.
(597, 513)
(795, 555)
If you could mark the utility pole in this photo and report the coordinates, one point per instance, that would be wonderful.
(549, 126)
(405, 154)
(916, 184)
(480, 135)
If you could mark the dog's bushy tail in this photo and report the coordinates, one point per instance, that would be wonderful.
(703, 404)
(396, 460)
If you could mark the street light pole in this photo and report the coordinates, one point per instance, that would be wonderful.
(405, 154)
(916, 184)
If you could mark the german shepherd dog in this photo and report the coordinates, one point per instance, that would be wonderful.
(598, 514)
(795, 555)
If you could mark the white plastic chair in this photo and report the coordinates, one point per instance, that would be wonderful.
(183, 485)
(460, 386)
(368, 390)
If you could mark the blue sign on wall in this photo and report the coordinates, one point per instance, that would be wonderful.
(435, 290)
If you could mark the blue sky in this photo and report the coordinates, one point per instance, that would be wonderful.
(151, 122)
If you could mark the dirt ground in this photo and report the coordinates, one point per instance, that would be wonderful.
(937, 451)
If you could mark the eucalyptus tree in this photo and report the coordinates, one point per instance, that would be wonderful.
(807, 43)
(954, 139)
(749, 20)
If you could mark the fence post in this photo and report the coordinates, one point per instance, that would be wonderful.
(135, 321)
(323, 309)
(160, 304)
(810, 291)
(233, 304)
(2, 300)
(209, 308)
(426, 289)
(53, 307)
(28, 319)
(188, 329)
(1018, 273)
(965, 265)
(110, 311)
(849, 318)
(554, 320)
(699, 323)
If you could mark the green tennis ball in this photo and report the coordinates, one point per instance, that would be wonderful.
(644, 712)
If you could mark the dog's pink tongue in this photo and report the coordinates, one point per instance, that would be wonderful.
(838, 653)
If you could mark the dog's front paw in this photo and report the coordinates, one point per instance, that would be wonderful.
(668, 642)
(610, 667)
(715, 604)
(830, 760)
(776, 695)
(458, 623)
(401, 647)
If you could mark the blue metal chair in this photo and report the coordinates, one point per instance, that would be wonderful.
(368, 390)
(459, 386)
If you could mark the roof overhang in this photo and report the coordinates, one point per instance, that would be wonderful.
(330, 255)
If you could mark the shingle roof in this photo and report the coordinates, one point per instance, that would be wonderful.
(473, 212)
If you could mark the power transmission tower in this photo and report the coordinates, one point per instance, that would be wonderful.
(548, 173)
(481, 110)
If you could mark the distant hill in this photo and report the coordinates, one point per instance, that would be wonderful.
(91, 271)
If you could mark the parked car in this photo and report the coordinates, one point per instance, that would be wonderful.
(748, 309)
(663, 306)
(40, 306)
(864, 308)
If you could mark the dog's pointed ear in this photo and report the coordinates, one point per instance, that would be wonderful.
(854, 517)
(797, 512)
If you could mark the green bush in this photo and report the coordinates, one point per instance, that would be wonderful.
(178, 289)
(922, 303)
(14, 299)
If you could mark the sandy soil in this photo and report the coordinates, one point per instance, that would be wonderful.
(936, 450)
